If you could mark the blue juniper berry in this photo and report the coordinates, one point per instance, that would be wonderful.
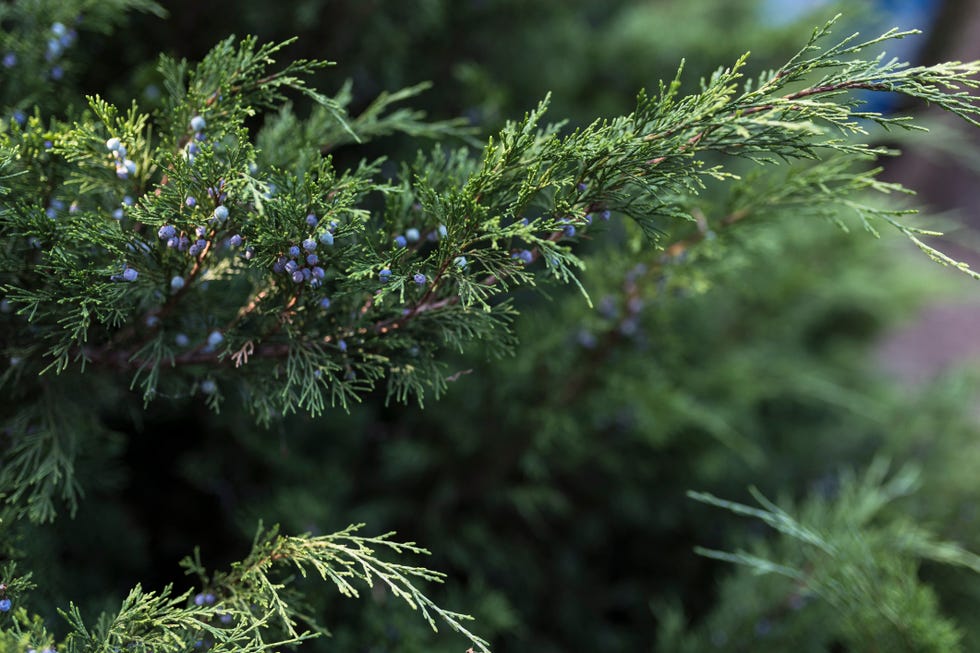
(326, 238)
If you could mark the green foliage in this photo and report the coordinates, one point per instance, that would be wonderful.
(405, 310)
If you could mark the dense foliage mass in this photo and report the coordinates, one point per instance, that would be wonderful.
(221, 305)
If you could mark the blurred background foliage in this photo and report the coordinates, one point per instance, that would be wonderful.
(551, 485)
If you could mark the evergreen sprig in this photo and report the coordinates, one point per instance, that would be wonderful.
(848, 551)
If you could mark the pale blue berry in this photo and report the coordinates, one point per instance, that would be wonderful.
(198, 123)
(307, 274)
(569, 230)
(312, 259)
(524, 255)
(588, 218)
(318, 272)
(190, 201)
(325, 303)
(201, 232)
(153, 321)
(130, 274)
(279, 265)
(9, 60)
(5, 605)
(582, 187)
(235, 241)
(311, 220)
(385, 274)
(412, 235)
(309, 244)
(58, 29)
(291, 266)
(249, 253)
(342, 344)
(57, 72)
(173, 242)
(326, 238)
(294, 251)
(121, 152)
(221, 214)
(215, 338)
(400, 241)
(606, 215)
(298, 276)
(419, 278)
(166, 232)
(460, 262)
(181, 340)
(208, 387)
(442, 231)
(177, 283)
(117, 214)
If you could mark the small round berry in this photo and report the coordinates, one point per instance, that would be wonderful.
(325, 303)
(412, 235)
(215, 338)
(193, 149)
(48, 145)
(130, 274)
(221, 214)
(342, 344)
(249, 253)
(307, 274)
(198, 123)
(294, 251)
(5, 605)
(177, 283)
(311, 220)
(326, 238)
(606, 215)
(173, 242)
(318, 272)
(309, 244)
(290, 266)
(524, 255)
(588, 218)
(419, 278)
(166, 232)
(225, 618)
(312, 259)
(113, 144)
(9, 60)
(190, 201)
(153, 321)
(235, 241)
(385, 274)
(121, 152)
(460, 262)
(582, 187)
(442, 231)
(569, 231)
(209, 598)
(400, 241)
(117, 214)
(181, 340)
(121, 171)
(279, 265)
(182, 243)
(298, 276)
(201, 232)
(51, 213)
(58, 29)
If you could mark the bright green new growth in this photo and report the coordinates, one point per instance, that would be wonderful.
(284, 353)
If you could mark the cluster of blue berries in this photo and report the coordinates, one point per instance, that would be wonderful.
(61, 39)
(204, 599)
(124, 166)
(301, 262)
(412, 235)
(193, 149)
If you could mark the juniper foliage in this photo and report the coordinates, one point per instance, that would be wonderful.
(304, 286)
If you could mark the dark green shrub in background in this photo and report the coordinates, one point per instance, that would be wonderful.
(726, 343)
